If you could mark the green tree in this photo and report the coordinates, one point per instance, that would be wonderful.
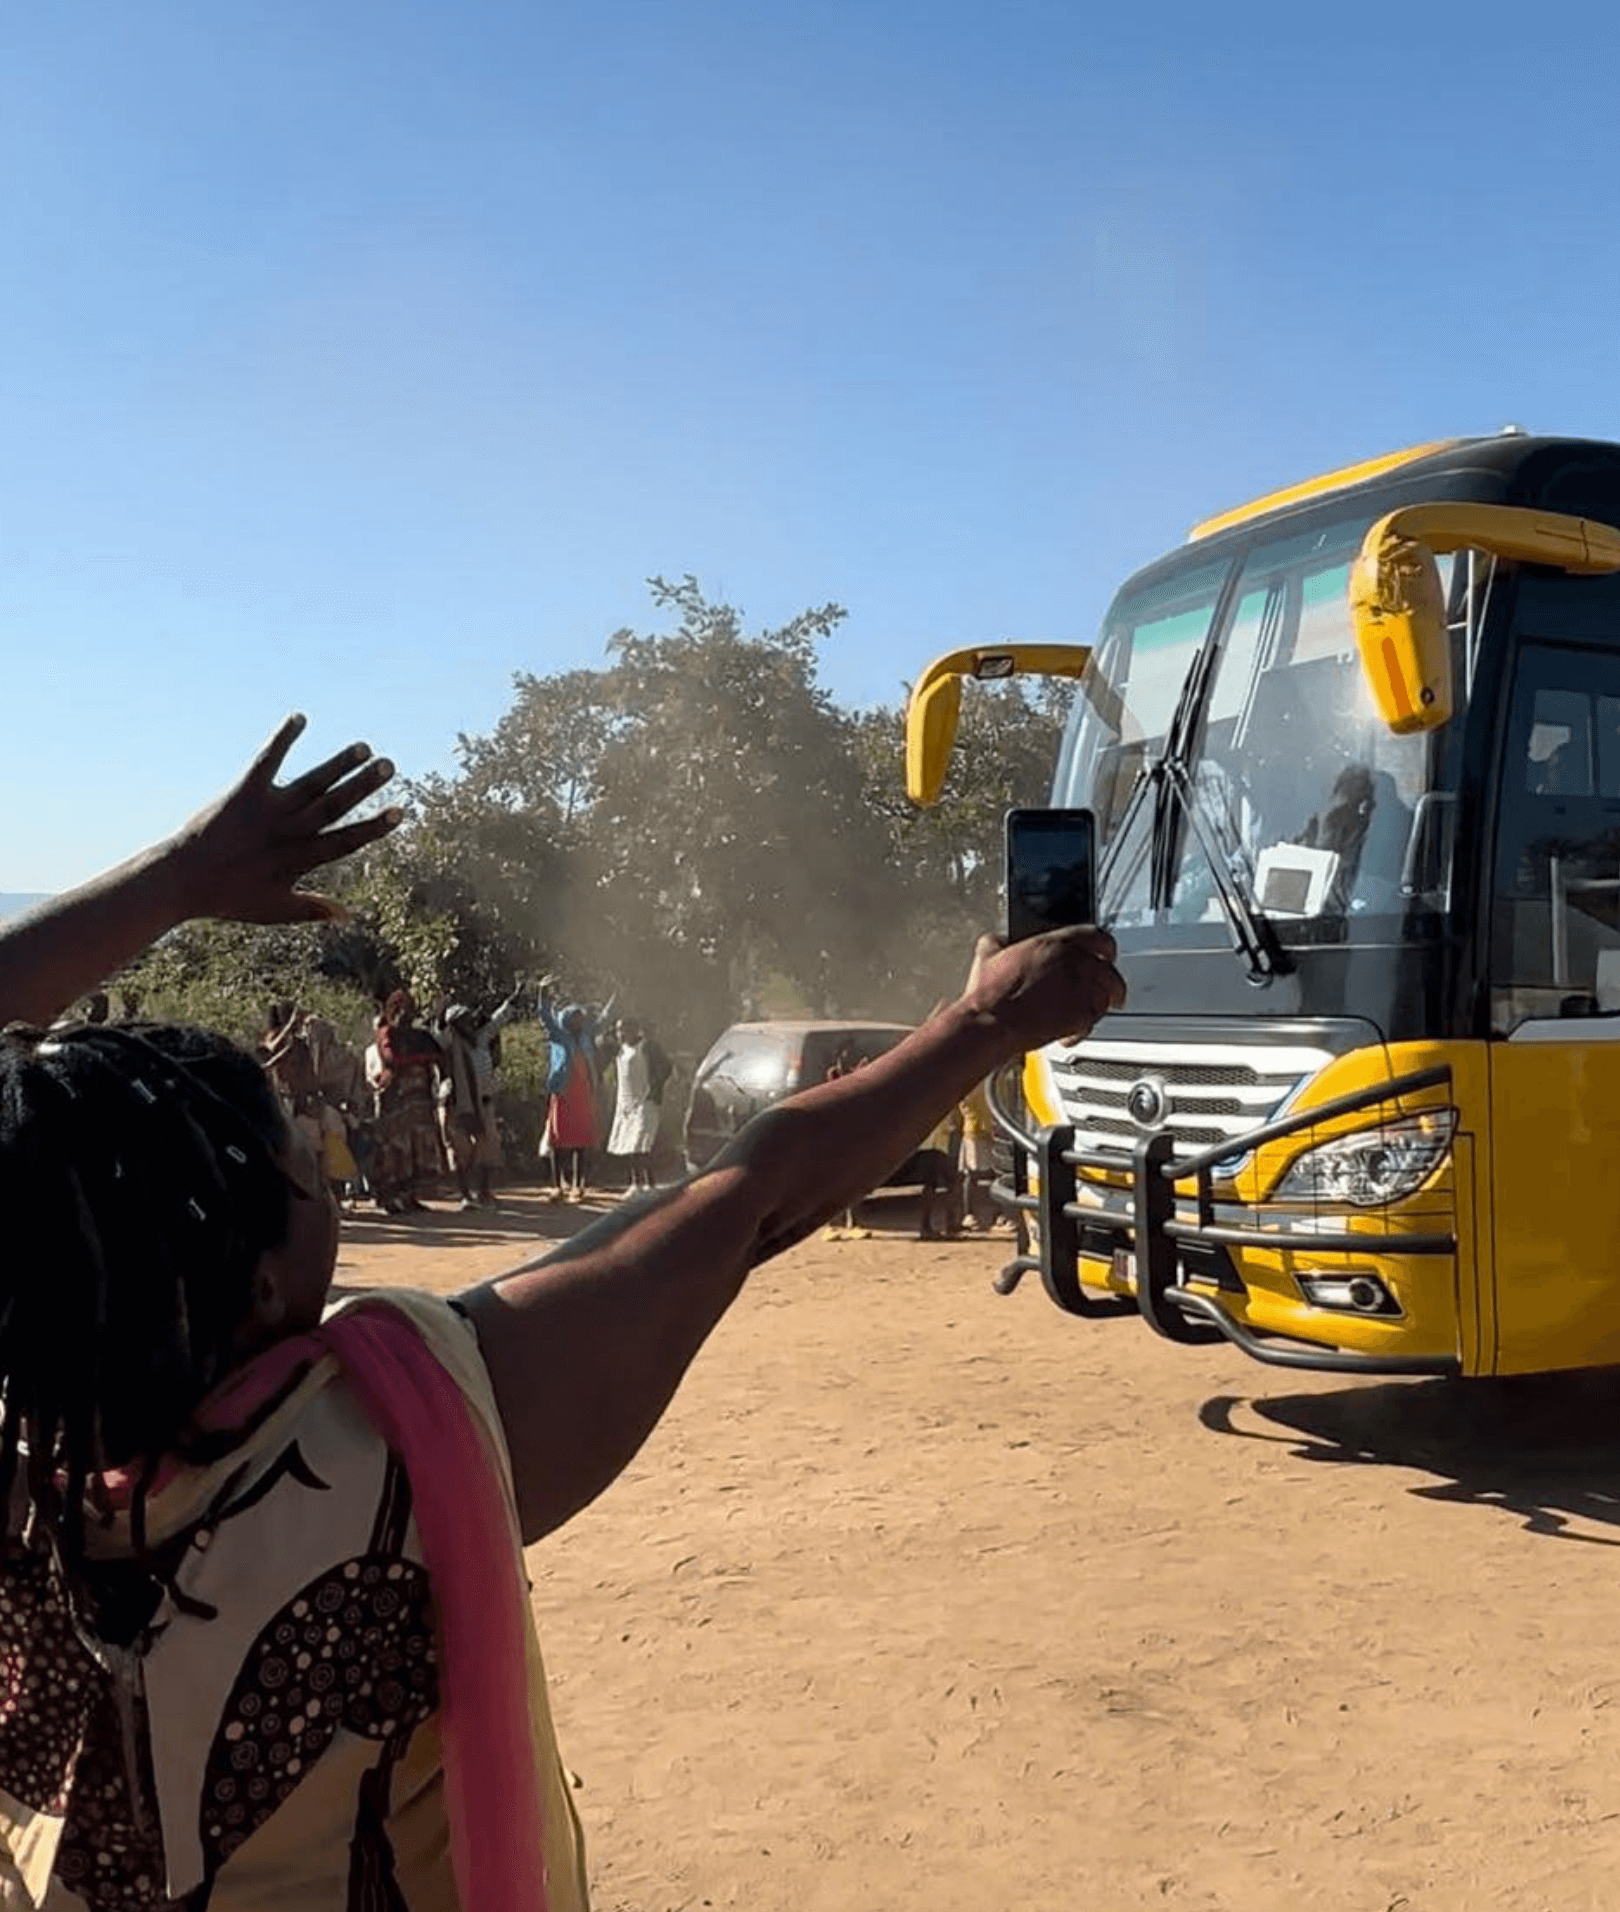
(697, 825)
(543, 758)
(729, 808)
(225, 976)
(703, 804)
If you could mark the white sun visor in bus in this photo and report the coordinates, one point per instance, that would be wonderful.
(1293, 879)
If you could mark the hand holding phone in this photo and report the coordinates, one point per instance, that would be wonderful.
(1051, 871)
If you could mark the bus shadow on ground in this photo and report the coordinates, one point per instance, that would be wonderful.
(1543, 1447)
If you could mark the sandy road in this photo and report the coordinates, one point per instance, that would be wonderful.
(922, 1597)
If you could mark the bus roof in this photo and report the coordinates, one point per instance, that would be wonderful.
(1576, 475)
(1338, 480)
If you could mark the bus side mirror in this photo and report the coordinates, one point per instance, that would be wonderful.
(936, 701)
(1398, 610)
(931, 719)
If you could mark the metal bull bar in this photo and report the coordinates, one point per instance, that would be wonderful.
(1158, 1239)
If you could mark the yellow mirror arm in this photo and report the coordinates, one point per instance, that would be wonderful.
(1505, 531)
(936, 701)
(931, 718)
(1396, 604)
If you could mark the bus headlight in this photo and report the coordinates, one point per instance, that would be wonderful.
(1372, 1166)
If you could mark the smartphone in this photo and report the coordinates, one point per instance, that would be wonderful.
(1051, 871)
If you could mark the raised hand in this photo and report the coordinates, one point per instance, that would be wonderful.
(243, 856)
(1044, 987)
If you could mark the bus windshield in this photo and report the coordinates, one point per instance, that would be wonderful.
(1305, 797)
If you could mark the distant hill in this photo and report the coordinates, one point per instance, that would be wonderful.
(11, 901)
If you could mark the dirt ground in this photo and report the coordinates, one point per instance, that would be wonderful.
(925, 1597)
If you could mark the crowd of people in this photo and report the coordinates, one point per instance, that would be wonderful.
(422, 1102)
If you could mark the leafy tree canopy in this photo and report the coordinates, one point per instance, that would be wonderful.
(697, 825)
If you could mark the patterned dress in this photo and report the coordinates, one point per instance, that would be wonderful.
(407, 1132)
(268, 1741)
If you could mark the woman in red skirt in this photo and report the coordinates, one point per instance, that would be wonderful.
(571, 1121)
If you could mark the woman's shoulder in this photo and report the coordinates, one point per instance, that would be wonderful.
(439, 1320)
(444, 1328)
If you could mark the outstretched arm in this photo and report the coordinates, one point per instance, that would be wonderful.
(239, 859)
(549, 1019)
(499, 1018)
(587, 1347)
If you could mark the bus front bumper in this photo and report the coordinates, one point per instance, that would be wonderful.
(1180, 1275)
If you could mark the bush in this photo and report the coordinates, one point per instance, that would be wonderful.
(224, 976)
(525, 1062)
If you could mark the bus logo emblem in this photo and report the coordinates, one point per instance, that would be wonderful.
(1146, 1103)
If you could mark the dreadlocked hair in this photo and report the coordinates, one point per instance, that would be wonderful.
(140, 1182)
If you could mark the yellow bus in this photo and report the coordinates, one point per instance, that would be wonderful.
(1354, 755)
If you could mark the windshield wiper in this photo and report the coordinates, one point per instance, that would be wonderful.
(1253, 937)
(1178, 740)
(1147, 778)
(1165, 777)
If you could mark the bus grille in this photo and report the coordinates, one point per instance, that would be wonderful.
(1201, 1093)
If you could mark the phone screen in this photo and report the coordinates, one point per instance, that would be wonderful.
(1051, 871)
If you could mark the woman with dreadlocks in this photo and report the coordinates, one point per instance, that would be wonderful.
(263, 1626)
(265, 1635)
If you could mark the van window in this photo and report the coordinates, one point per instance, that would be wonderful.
(755, 1062)
(825, 1047)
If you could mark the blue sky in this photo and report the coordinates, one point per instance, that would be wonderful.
(354, 357)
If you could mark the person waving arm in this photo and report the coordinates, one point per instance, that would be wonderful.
(240, 859)
(587, 1345)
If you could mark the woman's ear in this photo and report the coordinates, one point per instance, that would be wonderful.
(269, 1303)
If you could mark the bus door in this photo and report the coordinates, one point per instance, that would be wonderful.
(1555, 1008)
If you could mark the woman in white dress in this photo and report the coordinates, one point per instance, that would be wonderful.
(635, 1108)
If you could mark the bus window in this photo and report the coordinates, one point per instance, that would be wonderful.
(1607, 742)
(1559, 759)
(1146, 649)
(1555, 928)
(1313, 796)
(1310, 799)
